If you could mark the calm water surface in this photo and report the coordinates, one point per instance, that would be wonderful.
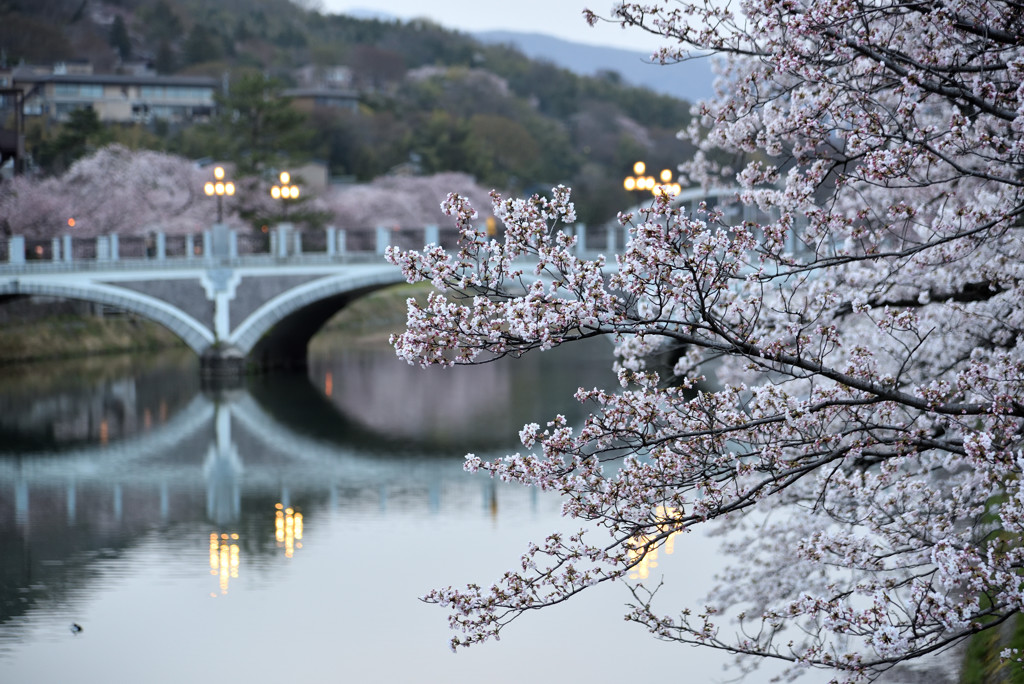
(284, 532)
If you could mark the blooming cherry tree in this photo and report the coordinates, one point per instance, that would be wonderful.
(848, 390)
(114, 190)
(404, 201)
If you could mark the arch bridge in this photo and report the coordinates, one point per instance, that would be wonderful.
(238, 301)
(244, 300)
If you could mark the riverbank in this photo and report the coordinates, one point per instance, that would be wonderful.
(46, 330)
(70, 336)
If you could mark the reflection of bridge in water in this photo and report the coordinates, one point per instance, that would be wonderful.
(223, 446)
(227, 465)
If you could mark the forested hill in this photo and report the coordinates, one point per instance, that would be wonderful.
(431, 99)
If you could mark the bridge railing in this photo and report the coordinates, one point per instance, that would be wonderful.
(222, 246)
(360, 241)
(253, 243)
(313, 242)
(134, 247)
(40, 249)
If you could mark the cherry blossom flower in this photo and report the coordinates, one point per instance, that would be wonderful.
(847, 394)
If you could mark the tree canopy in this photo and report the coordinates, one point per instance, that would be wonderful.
(846, 392)
(410, 78)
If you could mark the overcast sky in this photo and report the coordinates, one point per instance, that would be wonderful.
(559, 18)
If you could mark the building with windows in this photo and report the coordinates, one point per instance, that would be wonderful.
(309, 100)
(120, 98)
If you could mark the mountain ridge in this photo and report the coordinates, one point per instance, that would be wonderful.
(690, 80)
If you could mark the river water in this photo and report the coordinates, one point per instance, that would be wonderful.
(284, 532)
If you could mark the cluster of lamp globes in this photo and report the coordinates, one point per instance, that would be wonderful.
(285, 190)
(219, 186)
(639, 181)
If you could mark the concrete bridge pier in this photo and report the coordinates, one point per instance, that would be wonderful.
(222, 364)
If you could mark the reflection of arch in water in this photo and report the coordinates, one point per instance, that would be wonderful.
(329, 458)
(290, 423)
(435, 409)
(443, 411)
(296, 403)
(285, 464)
(86, 462)
(63, 405)
(304, 458)
(288, 465)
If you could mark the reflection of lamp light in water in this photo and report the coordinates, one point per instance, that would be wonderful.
(224, 559)
(288, 529)
(329, 383)
(493, 501)
(648, 560)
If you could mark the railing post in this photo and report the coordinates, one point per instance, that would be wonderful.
(331, 236)
(383, 239)
(282, 230)
(66, 252)
(55, 249)
(431, 236)
(102, 248)
(219, 242)
(610, 241)
(16, 249)
(190, 246)
(161, 246)
(581, 239)
(233, 244)
(115, 247)
(342, 242)
(207, 245)
(297, 243)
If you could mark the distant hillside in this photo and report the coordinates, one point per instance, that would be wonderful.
(688, 81)
(372, 97)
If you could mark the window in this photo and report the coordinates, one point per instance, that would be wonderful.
(63, 109)
(81, 90)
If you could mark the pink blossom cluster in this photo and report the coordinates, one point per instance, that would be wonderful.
(398, 201)
(114, 190)
(848, 399)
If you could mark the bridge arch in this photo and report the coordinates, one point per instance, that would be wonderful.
(278, 332)
(193, 333)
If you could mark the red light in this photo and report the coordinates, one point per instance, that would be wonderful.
(71, 223)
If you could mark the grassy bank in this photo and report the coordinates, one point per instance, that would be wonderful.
(64, 336)
(373, 317)
(982, 665)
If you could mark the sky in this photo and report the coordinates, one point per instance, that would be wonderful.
(559, 18)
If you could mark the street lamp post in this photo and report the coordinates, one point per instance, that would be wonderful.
(218, 188)
(285, 191)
